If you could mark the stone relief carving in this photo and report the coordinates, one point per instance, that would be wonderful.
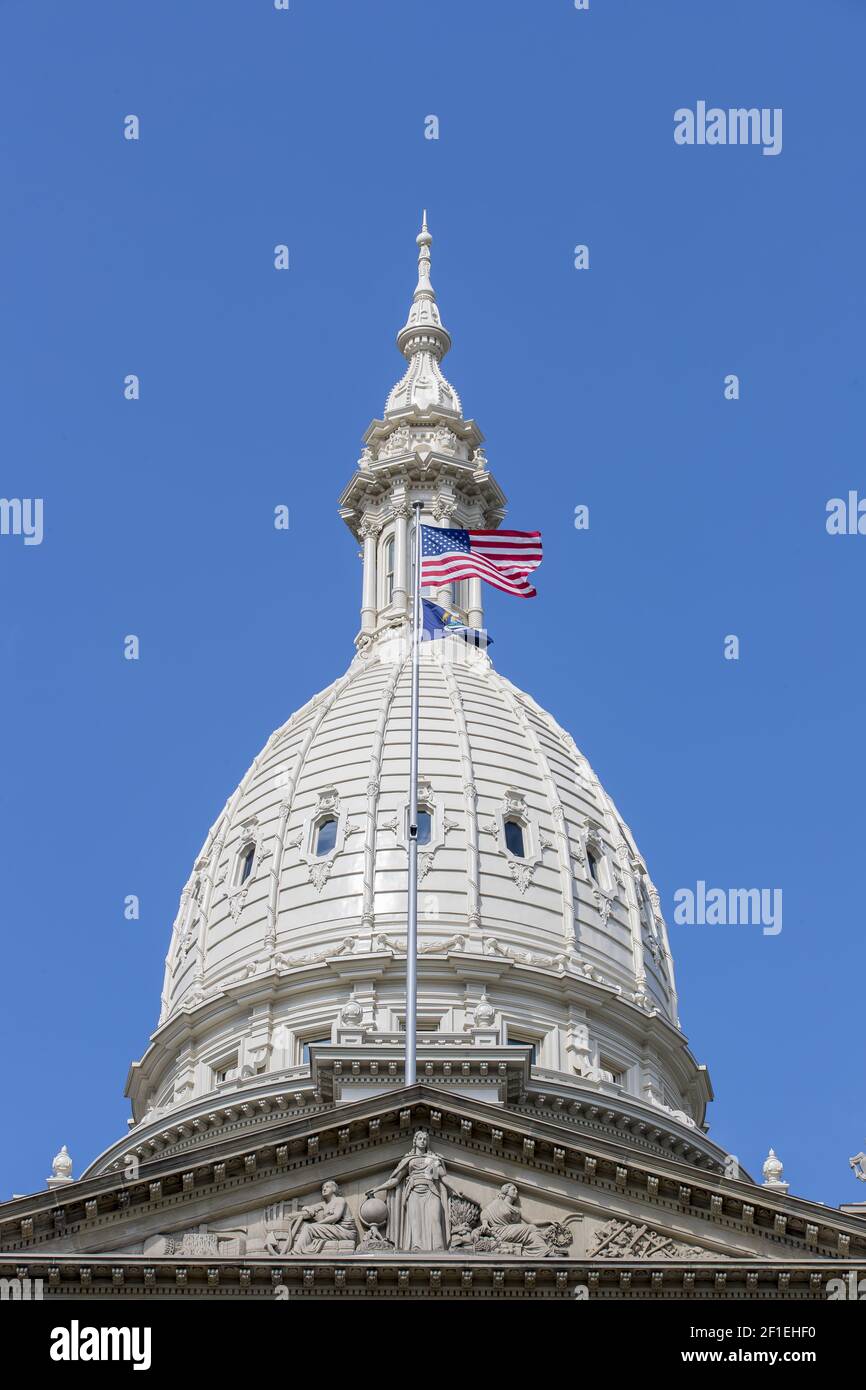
(417, 1194)
(501, 1227)
(352, 1013)
(199, 1241)
(521, 873)
(320, 873)
(629, 1240)
(604, 905)
(494, 947)
(381, 942)
(398, 442)
(418, 1209)
(345, 948)
(325, 1228)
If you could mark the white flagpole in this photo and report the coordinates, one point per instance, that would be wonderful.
(412, 896)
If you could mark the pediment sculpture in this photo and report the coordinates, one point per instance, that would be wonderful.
(419, 1209)
(327, 1227)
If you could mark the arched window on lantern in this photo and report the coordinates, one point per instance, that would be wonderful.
(388, 552)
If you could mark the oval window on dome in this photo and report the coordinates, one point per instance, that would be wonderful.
(326, 836)
(247, 861)
(514, 840)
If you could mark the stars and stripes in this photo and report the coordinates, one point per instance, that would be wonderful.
(502, 558)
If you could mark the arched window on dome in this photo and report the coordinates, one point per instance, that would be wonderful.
(246, 862)
(326, 836)
(593, 864)
(425, 826)
(514, 839)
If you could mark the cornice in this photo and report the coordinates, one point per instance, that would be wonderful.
(422, 1277)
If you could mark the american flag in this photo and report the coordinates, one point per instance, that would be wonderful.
(503, 558)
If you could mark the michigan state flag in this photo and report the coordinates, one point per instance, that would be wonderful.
(444, 622)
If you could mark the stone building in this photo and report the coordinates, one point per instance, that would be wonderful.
(555, 1144)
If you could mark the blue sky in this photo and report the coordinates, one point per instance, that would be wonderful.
(601, 387)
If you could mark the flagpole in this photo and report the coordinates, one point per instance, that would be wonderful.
(412, 896)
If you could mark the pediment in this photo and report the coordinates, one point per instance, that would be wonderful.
(561, 1200)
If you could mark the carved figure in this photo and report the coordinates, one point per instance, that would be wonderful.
(329, 1220)
(502, 1221)
(419, 1210)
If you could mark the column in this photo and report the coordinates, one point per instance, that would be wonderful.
(475, 611)
(369, 605)
(402, 513)
(444, 510)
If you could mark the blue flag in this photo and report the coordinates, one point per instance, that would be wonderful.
(443, 622)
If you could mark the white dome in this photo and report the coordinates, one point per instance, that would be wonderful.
(488, 752)
(564, 943)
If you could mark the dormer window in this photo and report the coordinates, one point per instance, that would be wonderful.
(514, 839)
(425, 827)
(248, 859)
(326, 837)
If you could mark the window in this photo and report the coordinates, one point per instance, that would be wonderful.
(388, 571)
(514, 839)
(248, 858)
(611, 1074)
(226, 1071)
(425, 827)
(514, 1040)
(592, 862)
(326, 836)
(312, 1042)
(422, 1025)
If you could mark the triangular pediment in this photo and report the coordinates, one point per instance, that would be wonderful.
(564, 1198)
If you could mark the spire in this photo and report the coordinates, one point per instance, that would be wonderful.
(423, 329)
(423, 341)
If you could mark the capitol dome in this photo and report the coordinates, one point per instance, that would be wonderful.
(539, 926)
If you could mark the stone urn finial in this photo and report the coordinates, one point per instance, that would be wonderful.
(351, 1014)
(484, 1012)
(772, 1170)
(61, 1168)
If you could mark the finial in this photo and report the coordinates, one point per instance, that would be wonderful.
(423, 332)
(772, 1171)
(423, 241)
(61, 1169)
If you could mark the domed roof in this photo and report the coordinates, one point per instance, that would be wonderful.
(489, 755)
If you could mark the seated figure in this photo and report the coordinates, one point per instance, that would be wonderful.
(328, 1221)
(503, 1221)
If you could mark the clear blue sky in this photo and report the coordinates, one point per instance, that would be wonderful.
(602, 387)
